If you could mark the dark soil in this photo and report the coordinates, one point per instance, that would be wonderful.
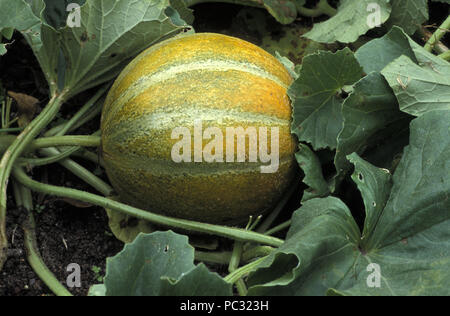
(65, 235)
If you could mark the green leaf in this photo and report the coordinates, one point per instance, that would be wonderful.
(405, 245)
(56, 12)
(420, 195)
(186, 14)
(157, 264)
(375, 186)
(317, 117)
(197, 282)
(98, 50)
(419, 89)
(408, 14)
(111, 33)
(312, 169)
(318, 251)
(17, 14)
(284, 12)
(350, 22)
(369, 109)
(97, 290)
(378, 53)
(7, 33)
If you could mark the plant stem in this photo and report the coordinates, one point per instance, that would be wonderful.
(234, 264)
(424, 35)
(222, 258)
(278, 228)
(11, 130)
(436, 37)
(256, 252)
(11, 155)
(94, 105)
(35, 162)
(24, 199)
(72, 140)
(90, 156)
(81, 172)
(224, 231)
(54, 141)
(445, 56)
(243, 271)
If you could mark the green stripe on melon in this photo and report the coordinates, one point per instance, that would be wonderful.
(221, 80)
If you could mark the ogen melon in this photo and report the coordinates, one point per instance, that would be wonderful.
(198, 127)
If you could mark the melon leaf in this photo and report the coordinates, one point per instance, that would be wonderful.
(352, 20)
(404, 248)
(110, 33)
(160, 263)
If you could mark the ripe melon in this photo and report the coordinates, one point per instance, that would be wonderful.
(221, 81)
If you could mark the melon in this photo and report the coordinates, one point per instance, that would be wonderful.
(168, 122)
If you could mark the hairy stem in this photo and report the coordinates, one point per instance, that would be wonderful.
(278, 228)
(87, 112)
(24, 199)
(13, 152)
(81, 172)
(54, 141)
(445, 56)
(224, 231)
(234, 264)
(237, 274)
(224, 257)
(436, 37)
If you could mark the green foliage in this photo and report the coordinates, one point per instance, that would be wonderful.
(405, 232)
(378, 118)
(160, 263)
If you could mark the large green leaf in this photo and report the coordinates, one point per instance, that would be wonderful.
(319, 250)
(111, 33)
(317, 117)
(369, 109)
(350, 22)
(378, 53)
(420, 195)
(310, 164)
(419, 88)
(404, 248)
(284, 11)
(158, 264)
(408, 14)
(15, 15)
